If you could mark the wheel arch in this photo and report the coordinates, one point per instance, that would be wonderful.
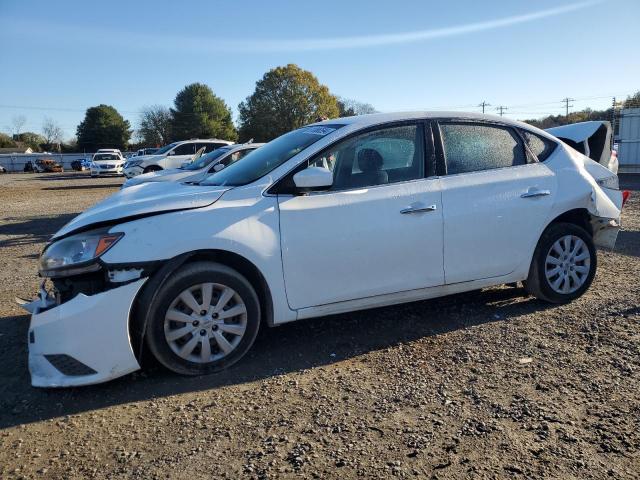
(577, 216)
(138, 320)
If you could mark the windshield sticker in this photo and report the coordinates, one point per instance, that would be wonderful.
(318, 130)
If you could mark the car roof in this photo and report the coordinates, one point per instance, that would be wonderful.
(361, 121)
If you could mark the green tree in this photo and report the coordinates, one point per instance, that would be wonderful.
(199, 113)
(6, 141)
(155, 126)
(31, 139)
(632, 101)
(103, 127)
(285, 98)
(349, 107)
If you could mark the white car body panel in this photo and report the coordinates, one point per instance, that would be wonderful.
(329, 252)
(394, 252)
(144, 199)
(101, 321)
(506, 226)
(231, 224)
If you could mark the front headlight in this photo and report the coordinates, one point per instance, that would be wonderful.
(76, 254)
(609, 182)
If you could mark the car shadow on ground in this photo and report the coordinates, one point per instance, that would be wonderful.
(628, 243)
(35, 229)
(293, 347)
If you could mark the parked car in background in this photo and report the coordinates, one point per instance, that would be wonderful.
(81, 165)
(342, 215)
(593, 139)
(107, 162)
(145, 151)
(198, 169)
(170, 156)
(47, 165)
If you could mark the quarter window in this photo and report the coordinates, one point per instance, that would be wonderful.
(474, 147)
(379, 157)
(540, 146)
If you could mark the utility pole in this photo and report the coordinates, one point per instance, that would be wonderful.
(484, 104)
(501, 109)
(566, 105)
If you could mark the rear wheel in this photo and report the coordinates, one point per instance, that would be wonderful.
(563, 265)
(204, 319)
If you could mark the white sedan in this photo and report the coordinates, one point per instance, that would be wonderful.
(338, 216)
(106, 162)
(199, 169)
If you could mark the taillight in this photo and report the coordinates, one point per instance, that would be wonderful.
(625, 196)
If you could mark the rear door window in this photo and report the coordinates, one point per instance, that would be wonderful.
(471, 147)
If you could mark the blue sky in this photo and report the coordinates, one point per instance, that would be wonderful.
(61, 57)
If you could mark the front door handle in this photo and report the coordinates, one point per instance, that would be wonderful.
(535, 192)
(418, 209)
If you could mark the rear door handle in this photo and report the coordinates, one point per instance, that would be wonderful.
(418, 209)
(535, 192)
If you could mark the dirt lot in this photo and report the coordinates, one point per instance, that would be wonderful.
(490, 384)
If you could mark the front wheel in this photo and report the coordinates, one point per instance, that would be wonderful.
(563, 264)
(204, 318)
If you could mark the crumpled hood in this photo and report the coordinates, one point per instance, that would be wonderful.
(171, 175)
(147, 198)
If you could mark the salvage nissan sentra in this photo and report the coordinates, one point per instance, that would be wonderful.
(337, 216)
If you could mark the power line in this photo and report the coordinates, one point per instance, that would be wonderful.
(501, 109)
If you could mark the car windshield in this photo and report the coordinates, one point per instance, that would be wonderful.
(106, 156)
(166, 148)
(270, 156)
(205, 160)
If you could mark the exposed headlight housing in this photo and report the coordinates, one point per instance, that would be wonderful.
(76, 254)
(609, 182)
(133, 163)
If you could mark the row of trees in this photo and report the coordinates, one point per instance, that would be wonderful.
(50, 138)
(285, 98)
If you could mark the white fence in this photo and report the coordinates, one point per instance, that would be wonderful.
(15, 162)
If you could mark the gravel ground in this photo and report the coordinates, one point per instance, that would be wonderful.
(488, 384)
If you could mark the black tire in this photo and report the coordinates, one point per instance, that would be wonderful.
(152, 168)
(537, 283)
(189, 275)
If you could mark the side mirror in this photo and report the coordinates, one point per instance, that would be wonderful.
(217, 167)
(171, 153)
(313, 178)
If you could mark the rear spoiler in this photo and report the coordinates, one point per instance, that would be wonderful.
(592, 139)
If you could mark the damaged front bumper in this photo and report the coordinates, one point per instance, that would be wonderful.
(84, 340)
